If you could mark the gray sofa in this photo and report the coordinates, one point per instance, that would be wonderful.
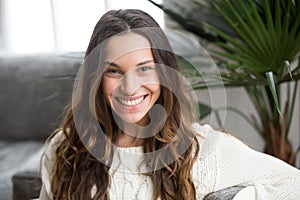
(34, 89)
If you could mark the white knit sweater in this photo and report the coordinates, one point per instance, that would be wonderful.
(223, 161)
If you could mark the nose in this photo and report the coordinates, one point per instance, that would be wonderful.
(129, 83)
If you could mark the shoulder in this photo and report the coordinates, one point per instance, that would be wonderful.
(50, 150)
(212, 140)
(232, 155)
(208, 138)
(51, 146)
(47, 162)
(53, 142)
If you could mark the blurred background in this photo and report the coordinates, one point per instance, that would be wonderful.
(33, 26)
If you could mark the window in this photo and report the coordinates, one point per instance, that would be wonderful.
(57, 25)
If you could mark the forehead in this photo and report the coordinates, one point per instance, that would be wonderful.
(120, 45)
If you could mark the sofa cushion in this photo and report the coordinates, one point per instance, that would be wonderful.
(34, 89)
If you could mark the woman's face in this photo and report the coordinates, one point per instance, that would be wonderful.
(130, 82)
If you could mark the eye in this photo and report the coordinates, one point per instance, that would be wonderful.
(145, 68)
(113, 72)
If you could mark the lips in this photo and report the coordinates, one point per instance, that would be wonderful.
(131, 102)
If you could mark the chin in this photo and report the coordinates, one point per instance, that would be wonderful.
(140, 120)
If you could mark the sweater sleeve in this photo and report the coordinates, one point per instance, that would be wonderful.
(265, 176)
(48, 159)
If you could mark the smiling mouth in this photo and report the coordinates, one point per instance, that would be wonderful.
(133, 102)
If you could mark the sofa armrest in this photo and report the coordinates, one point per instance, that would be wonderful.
(26, 185)
(224, 194)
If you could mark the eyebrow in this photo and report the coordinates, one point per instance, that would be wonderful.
(139, 64)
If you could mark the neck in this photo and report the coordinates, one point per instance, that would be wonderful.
(130, 134)
(126, 140)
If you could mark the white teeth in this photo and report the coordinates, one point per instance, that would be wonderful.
(131, 102)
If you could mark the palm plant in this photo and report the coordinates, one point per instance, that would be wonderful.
(257, 42)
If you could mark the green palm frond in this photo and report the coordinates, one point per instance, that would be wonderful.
(191, 15)
(263, 42)
(260, 35)
(257, 42)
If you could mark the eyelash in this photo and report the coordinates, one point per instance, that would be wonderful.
(113, 71)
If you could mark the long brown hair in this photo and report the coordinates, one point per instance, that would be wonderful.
(74, 163)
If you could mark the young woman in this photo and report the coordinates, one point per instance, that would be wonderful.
(130, 133)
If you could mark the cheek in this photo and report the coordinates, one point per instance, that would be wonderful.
(108, 86)
(155, 90)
